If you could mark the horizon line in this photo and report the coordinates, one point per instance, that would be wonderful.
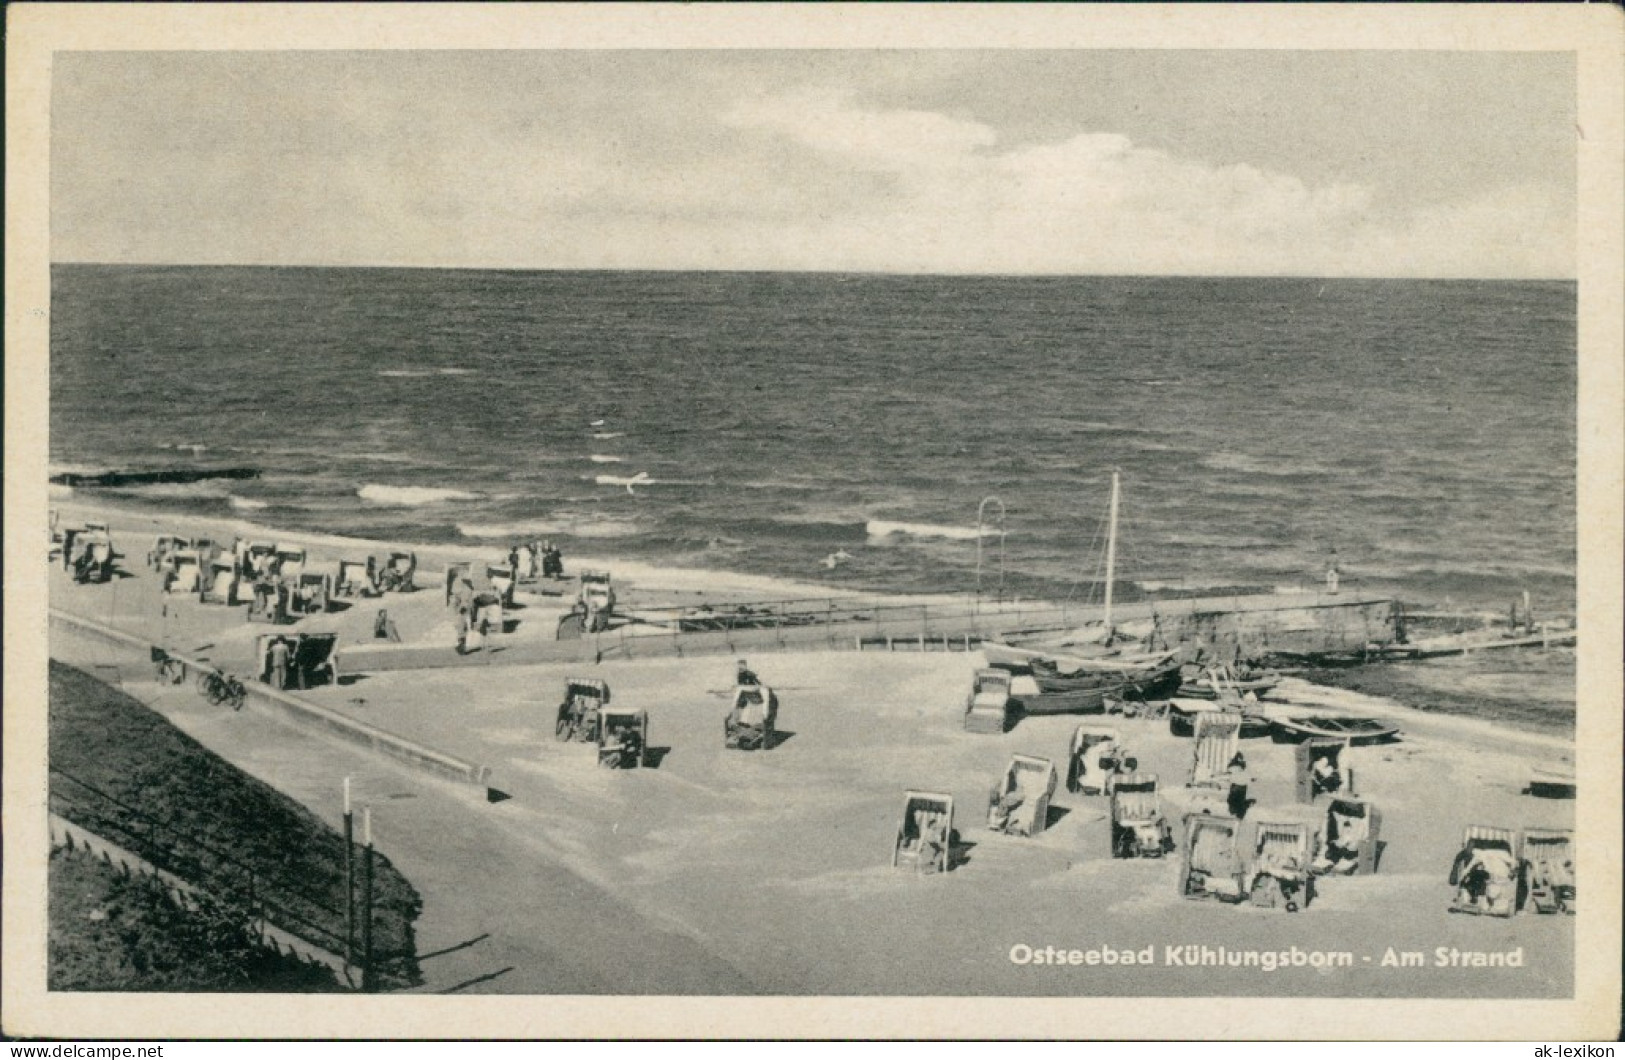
(819, 272)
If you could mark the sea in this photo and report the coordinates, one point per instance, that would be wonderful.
(877, 432)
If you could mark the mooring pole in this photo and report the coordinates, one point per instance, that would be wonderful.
(369, 981)
(1111, 560)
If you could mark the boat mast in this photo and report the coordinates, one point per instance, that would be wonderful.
(1111, 558)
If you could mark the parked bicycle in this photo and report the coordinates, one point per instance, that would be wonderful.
(220, 689)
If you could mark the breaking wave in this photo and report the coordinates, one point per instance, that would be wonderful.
(882, 528)
(598, 458)
(409, 496)
(545, 527)
(247, 504)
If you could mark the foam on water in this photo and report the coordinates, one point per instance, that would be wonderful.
(248, 504)
(585, 527)
(410, 496)
(881, 529)
(599, 458)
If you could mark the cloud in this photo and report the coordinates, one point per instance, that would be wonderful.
(386, 163)
(958, 200)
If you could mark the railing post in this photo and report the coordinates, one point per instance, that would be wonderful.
(369, 981)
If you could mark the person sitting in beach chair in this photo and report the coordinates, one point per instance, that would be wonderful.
(1485, 873)
(577, 716)
(1019, 803)
(269, 603)
(1351, 839)
(1548, 870)
(1096, 759)
(1139, 829)
(623, 738)
(1279, 874)
(1321, 768)
(925, 838)
(751, 721)
(399, 573)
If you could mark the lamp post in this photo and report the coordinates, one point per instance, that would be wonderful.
(981, 511)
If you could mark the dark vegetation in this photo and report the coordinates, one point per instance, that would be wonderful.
(124, 773)
(112, 931)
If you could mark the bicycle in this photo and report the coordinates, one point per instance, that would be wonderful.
(220, 688)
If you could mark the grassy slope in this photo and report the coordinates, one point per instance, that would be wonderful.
(112, 932)
(191, 813)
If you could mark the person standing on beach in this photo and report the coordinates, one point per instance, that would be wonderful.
(279, 663)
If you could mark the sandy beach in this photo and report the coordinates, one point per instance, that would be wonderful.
(770, 872)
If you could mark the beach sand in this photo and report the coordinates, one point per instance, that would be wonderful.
(769, 872)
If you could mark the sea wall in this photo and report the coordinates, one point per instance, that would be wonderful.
(303, 712)
(1261, 625)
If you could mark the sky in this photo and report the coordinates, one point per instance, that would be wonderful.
(1438, 164)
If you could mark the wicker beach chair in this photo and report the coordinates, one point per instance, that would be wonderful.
(753, 719)
(1548, 870)
(987, 708)
(1322, 767)
(1210, 861)
(584, 699)
(1351, 839)
(1139, 830)
(623, 738)
(1279, 873)
(925, 839)
(1486, 872)
(1019, 802)
(1095, 759)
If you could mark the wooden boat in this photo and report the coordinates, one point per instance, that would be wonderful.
(1355, 730)
(1098, 647)
(1003, 653)
(1341, 657)
(1144, 683)
(1182, 714)
(1553, 780)
(1241, 682)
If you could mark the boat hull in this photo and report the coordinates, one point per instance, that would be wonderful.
(1357, 731)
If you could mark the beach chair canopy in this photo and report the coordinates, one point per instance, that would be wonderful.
(587, 688)
(1135, 798)
(1283, 846)
(1087, 736)
(615, 719)
(916, 803)
(1030, 775)
(991, 681)
(1218, 736)
(1484, 837)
